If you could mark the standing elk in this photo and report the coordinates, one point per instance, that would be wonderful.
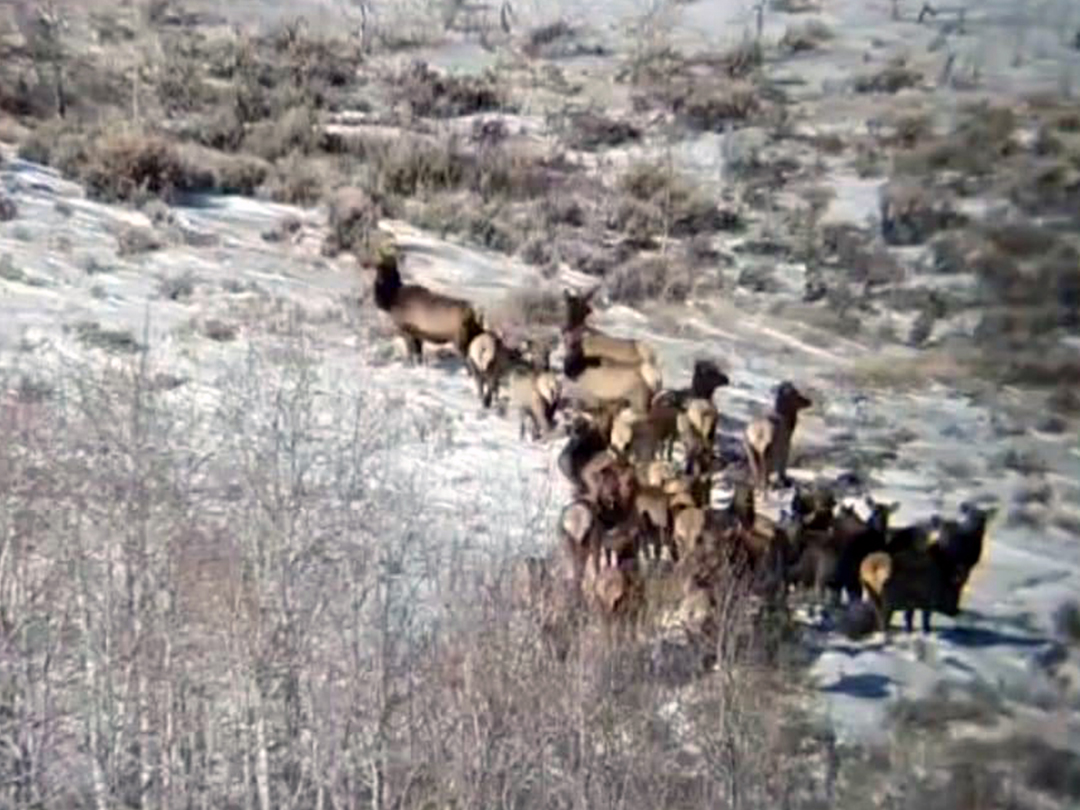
(767, 440)
(422, 315)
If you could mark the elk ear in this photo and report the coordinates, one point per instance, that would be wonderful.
(892, 507)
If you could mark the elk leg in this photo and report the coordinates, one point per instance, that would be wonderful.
(926, 621)
(909, 620)
(755, 466)
(415, 348)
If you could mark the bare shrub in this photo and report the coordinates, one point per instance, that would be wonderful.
(9, 271)
(710, 107)
(657, 201)
(807, 36)
(560, 40)
(120, 341)
(409, 166)
(649, 278)
(910, 130)
(297, 180)
(224, 173)
(1048, 186)
(743, 59)
(220, 331)
(133, 240)
(532, 307)
(125, 167)
(295, 130)
(794, 6)
(591, 131)
(177, 288)
(353, 217)
(494, 224)
(890, 79)
(911, 213)
(1020, 239)
(431, 94)
(343, 650)
(983, 136)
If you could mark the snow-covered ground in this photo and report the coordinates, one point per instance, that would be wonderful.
(927, 446)
(247, 281)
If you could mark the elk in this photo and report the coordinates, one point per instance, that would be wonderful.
(536, 395)
(421, 314)
(767, 440)
(489, 359)
(697, 430)
(595, 344)
(915, 579)
(598, 382)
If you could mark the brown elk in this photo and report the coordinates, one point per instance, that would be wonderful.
(490, 359)
(767, 440)
(697, 431)
(595, 344)
(535, 395)
(598, 382)
(421, 314)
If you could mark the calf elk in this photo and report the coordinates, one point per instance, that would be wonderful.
(489, 359)
(534, 394)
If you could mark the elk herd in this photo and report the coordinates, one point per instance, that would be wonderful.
(642, 511)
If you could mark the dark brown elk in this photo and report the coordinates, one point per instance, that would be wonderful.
(916, 579)
(422, 315)
(831, 547)
(930, 578)
(767, 440)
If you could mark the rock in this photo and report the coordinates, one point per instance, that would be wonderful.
(8, 209)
